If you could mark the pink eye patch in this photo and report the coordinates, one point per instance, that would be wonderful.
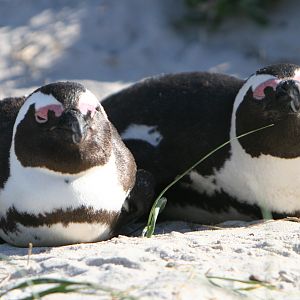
(41, 115)
(297, 77)
(88, 104)
(86, 107)
(259, 93)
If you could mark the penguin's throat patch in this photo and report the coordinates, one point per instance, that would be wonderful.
(259, 91)
(41, 115)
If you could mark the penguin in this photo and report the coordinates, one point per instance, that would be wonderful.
(65, 175)
(170, 122)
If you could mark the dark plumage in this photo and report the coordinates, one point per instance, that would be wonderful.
(171, 121)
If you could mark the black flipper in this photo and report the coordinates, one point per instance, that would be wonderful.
(138, 203)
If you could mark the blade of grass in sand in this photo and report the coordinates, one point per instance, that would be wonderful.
(64, 286)
(157, 205)
(155, 210)
(252, 284)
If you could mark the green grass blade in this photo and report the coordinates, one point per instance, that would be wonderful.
(157, 207)
(149, 229)
(253, 284)
(38, 281)
(64, 286)
(58, 289)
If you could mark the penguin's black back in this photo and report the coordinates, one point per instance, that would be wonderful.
(9, 108)
(191, 111)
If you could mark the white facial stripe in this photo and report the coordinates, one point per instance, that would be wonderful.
(146, 133)
(253, 82)
(259, 92)
(88, 101)
(39, 100)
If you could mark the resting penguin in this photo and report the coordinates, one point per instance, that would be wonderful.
(65, 174)
(169, 122)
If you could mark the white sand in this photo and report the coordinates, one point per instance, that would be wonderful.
(173, 265)
(103, 43)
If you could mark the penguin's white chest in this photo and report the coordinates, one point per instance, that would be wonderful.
(40, 192)
(270, 182)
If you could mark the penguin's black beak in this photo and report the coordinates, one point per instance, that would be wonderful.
(289, 91)
(74, 123)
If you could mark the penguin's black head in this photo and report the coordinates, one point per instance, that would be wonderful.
(62, 127)
(270, 96)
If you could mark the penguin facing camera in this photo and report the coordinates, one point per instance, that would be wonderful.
(65, 175)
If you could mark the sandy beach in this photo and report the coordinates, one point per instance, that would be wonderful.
(106, 45)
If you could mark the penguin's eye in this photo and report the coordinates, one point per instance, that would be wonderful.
(41, 115)
(259, 91)
(41, 119)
